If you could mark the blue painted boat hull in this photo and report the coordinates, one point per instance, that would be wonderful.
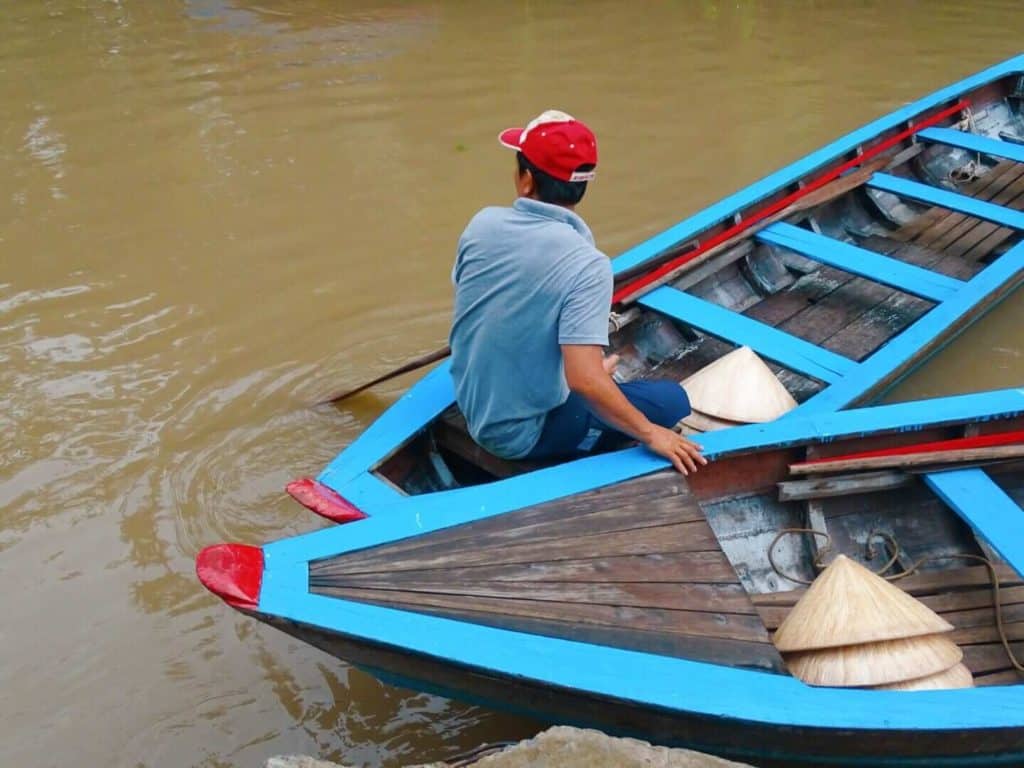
(691, 692)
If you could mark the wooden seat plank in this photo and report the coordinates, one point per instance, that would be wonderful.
(784, 348)
(953, 201)
(876, 267)
(974, 143)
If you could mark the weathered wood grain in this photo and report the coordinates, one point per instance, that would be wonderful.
(843, 485)
(685, 622)
(679, 568)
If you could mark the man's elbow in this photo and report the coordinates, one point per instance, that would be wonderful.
(583, 384)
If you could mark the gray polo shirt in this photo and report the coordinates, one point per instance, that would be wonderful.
(527, 279)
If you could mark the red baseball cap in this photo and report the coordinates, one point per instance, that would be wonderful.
(556, 143)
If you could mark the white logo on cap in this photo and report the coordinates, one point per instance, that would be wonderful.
(547, 116)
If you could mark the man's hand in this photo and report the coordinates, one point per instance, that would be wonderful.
(684, 454)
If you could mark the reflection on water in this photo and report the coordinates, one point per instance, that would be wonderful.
(216, 211)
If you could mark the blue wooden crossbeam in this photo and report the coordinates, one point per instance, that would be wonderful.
(974, 143)
(784, 348)
(992, 514)
(954, 201)
(860, 261)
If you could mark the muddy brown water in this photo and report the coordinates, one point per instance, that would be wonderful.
(213, 212)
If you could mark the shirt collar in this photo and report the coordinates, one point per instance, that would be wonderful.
(556, 213)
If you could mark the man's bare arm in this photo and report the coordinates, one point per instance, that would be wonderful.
(586, 375)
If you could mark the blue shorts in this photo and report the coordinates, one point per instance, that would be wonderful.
(574, 429)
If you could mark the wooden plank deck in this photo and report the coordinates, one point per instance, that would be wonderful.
(635, 565)
(854, 316)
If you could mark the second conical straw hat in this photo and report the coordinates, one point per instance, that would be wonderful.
(847, 605)
(957, 676)
(890, 661)
(738, 387)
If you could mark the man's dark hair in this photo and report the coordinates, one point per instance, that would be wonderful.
(552, 190)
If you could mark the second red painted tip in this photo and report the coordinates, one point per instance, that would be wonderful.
(317, 497)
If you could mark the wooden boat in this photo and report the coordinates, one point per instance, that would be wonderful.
(646, 607)
(617, 594)
(845, 271)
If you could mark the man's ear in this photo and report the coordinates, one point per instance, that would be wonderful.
(525, 184)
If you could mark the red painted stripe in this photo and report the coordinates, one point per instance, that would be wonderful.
(835, 173)
(960, 443)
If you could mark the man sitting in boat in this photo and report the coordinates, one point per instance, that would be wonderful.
(532, 296)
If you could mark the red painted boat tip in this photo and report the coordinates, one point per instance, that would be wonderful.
(233, 572)
(326, 502)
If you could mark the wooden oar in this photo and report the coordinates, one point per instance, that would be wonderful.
(412, 365)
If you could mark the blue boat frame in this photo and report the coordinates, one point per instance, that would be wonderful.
(653, 680)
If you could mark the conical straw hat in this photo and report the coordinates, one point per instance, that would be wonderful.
(847, 605)
(738, 387)
(957, 676)
(701, 422)
(890, 661)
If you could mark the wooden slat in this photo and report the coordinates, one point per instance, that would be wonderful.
(767, 341)
(653, 500)
(861, 261)
(843, 485)
(987, 633)
(727, 625)
(664, 539)
(938, 220)
(717, 650)
(974, 143)
(923, 459)
(990, 657)
(689, 567)
(918, 585)
(716, 598)
(454, 437)
(964, 610)
(965, 235)
(1005, 677)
